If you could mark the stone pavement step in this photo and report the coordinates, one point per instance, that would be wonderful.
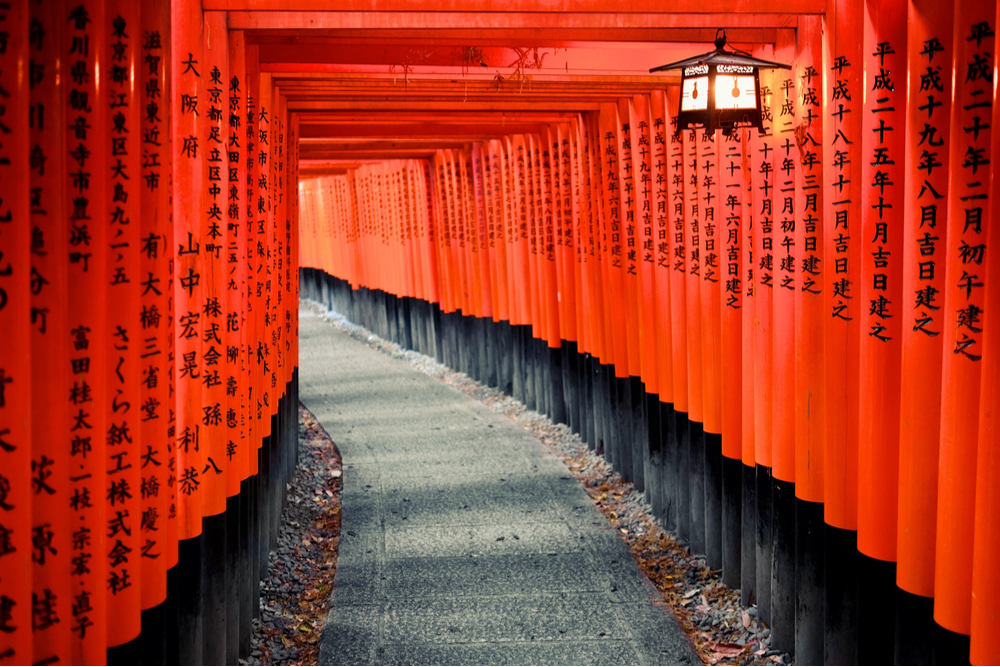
(464, 540)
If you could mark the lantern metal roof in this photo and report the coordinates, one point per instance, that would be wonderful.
(721, 57)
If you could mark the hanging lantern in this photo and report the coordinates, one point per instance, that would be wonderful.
(720, 89)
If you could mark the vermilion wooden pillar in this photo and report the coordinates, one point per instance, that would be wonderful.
(809, 228)
(680, 245)
(213, 230)
(751, 227)
(809, 397)
(693, 320)
(969, 210)
(648, 437)
(630, 233)
(124, 438)
(881, 292)
(985, 625)
(731, 237)
(187, 106)
(631, 237)
(16, 455)
(50, 522)
(712, 237)
(267, 358)
(237, 234)
(760, 154)
(661, 209)
(842, 294)
(255, 248)
(87, 147)
(156, 408)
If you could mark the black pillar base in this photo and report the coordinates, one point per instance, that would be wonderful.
(669, 452)
(712, 452)
(623, 443)
(245, 569)
(213, 587)
(557, 397)
(732, 522)
(840, 609)
(233, 583)
(748, 554)
(783, 567)
(602, 398)
(530, 369)
(568, 365)
(682, 495)
(914, 629)
(653, 459)
(950, 648)
(640, 433)
(129, 653)
(876, 606)
(765, 542)
(810, 582)
(190, 637)
(696, 471)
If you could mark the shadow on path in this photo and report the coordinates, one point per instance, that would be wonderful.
(464, 540)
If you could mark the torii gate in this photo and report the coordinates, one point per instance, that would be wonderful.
(809, 391)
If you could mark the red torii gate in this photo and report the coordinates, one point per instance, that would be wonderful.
(798, 333)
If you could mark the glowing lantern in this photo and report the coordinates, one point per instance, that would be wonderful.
(719, 89)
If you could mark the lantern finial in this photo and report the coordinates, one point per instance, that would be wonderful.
(720, 38)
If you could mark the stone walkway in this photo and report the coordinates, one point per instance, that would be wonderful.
(464, 540)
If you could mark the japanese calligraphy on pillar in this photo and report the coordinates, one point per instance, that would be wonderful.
(678, 245)
(264, 230)
(785, 273)
(254, 250)
(882, 194)
(966, 259)
(881, 277)
(210, 311)
(929, 53)
(156, 407)
(760, 274)
(123, 437)
(712, 213)
(87, 147)
(50, 523)
(970, 188)
(188, 113)
(732, 195)
(731, 239)
(692, 216)
(18, 462)
(842, 241)
(237, 400)
(660, 135)
(809, 393)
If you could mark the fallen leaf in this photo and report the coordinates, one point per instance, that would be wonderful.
(692, 593)
(726, 650)
(746, 619)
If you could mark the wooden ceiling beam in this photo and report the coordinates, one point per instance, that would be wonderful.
(656, 7)
(522, 37)
(309, 133)
(474, 23)
(440, 105)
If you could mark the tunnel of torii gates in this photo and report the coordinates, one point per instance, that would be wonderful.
(781, 336)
